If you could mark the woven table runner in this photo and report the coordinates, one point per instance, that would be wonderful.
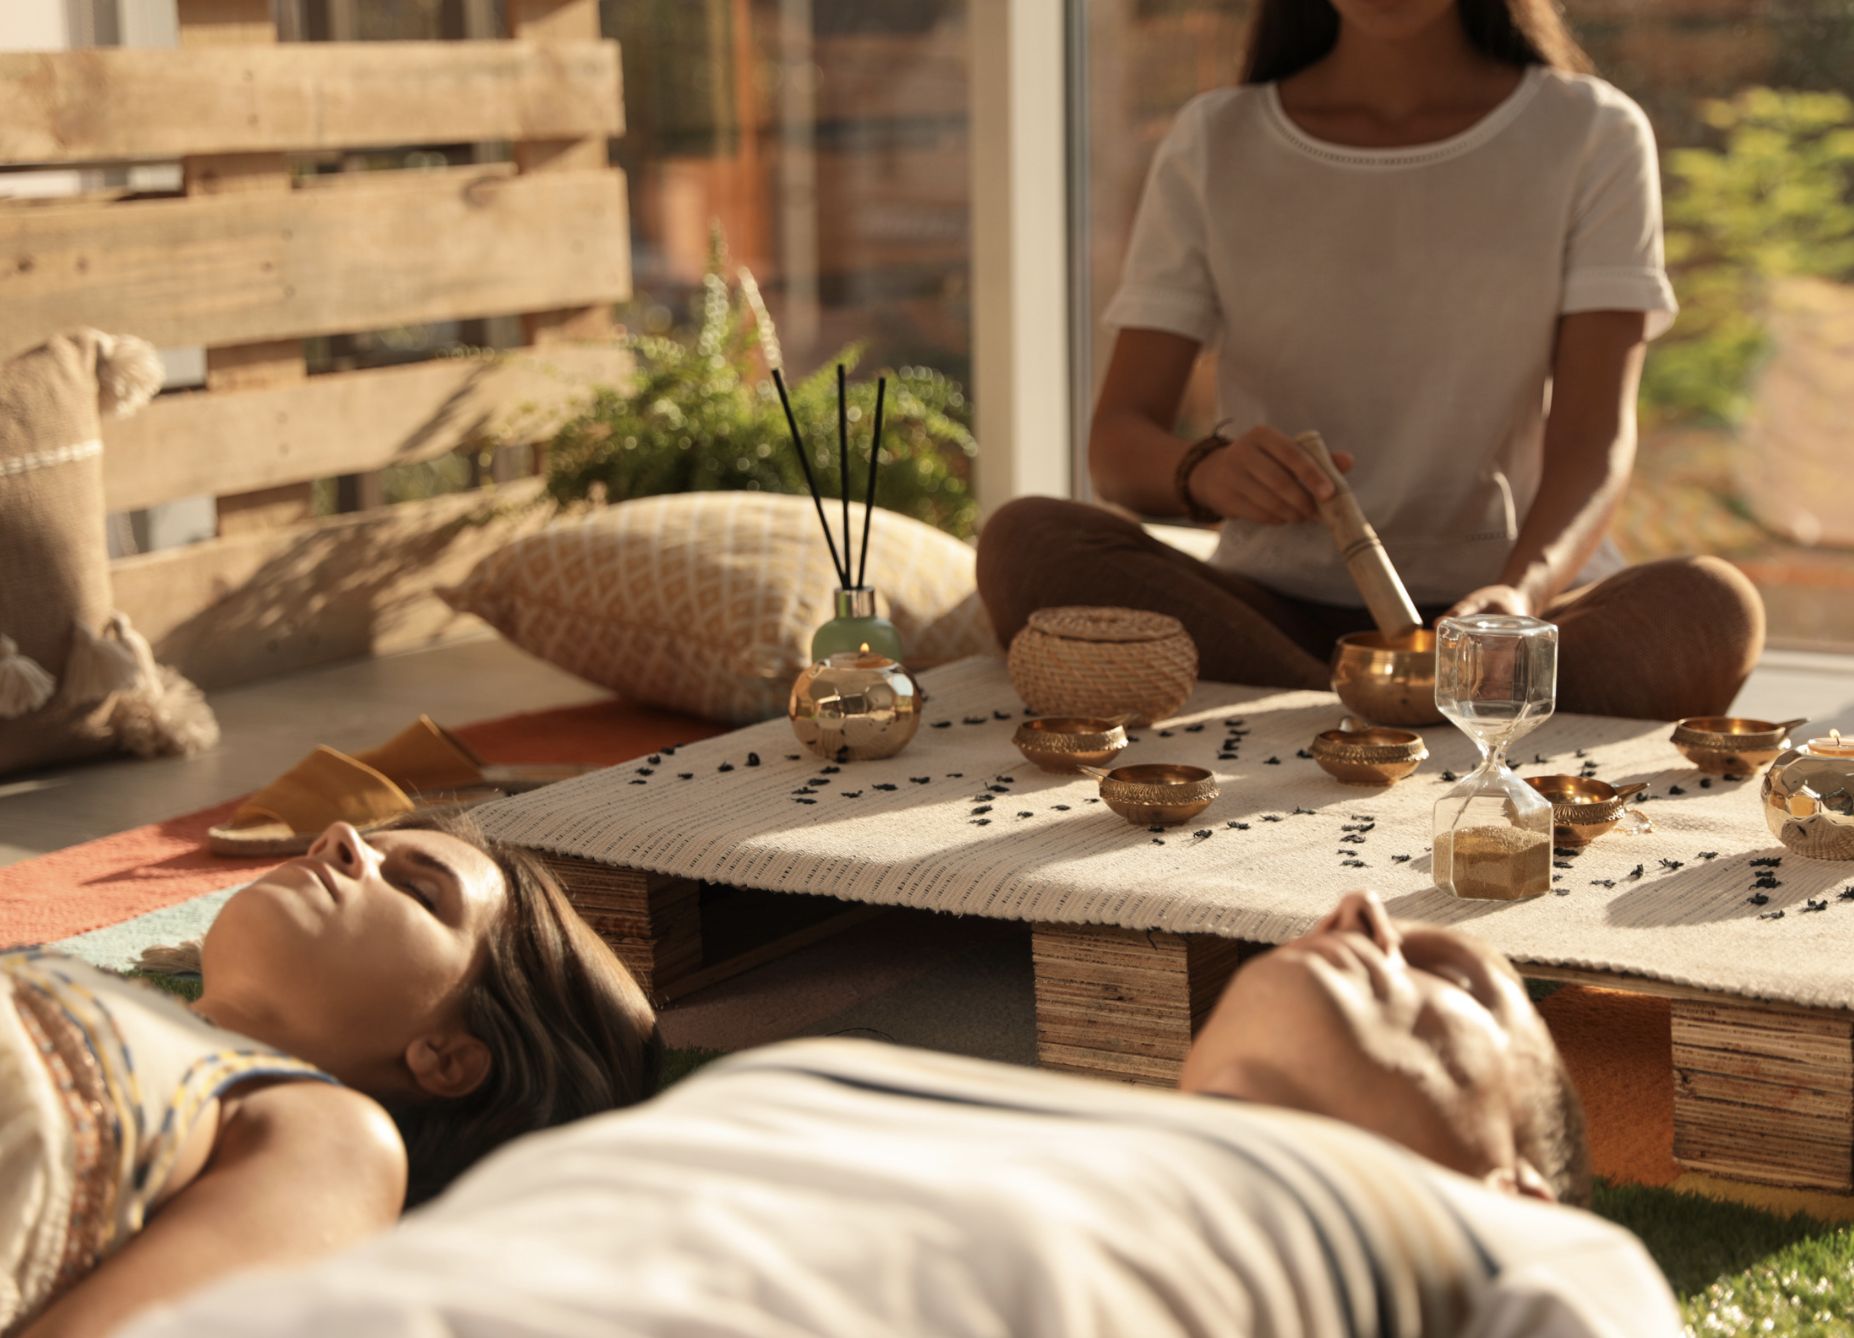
(960, 822)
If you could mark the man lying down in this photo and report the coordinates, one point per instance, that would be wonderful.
(856, 1190)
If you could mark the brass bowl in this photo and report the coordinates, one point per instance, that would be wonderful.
(1392, 682)
(1363, 756)
(1070, 742)
(1582, 808)
(1727, 745)
(1156, 794)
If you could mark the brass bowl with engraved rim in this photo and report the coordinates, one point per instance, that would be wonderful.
(1067, 743)
(1582, 807)
(1156, 794)
(1729, 745)
(1359, 755)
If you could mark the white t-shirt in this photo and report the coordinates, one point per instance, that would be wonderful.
(842, 1189)
(1401, 302)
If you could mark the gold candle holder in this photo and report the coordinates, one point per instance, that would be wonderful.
(855, 706)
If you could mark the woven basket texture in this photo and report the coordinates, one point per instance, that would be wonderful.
(1078, 660)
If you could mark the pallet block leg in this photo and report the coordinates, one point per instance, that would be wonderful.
(1764, 1093)
(1124, 1003)
(653, 921)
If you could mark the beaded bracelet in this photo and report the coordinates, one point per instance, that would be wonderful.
(1181, 479)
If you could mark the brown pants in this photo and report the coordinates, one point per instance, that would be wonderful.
(1661, 640)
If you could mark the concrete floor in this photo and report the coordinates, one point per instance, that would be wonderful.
(269, 725)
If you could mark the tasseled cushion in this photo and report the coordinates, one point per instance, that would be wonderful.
(76, 680)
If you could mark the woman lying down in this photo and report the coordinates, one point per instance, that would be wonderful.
(1396, 1125)
(374, 1018)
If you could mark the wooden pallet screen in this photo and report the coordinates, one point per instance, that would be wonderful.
(249, 261)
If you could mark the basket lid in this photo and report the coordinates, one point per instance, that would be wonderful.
(1083, 622)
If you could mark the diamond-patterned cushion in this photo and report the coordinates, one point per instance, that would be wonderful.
(705, 602)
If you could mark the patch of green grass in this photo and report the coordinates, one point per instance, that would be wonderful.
(186, 987)
(679, 1064)
(1740, 1270)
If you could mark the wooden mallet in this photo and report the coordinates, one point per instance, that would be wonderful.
(1362, 550)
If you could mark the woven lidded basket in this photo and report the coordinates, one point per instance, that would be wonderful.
(1078, 660)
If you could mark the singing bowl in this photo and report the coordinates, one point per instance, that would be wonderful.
(1368, 756)
(1392, 682)
(1156, 794)
(1067, 743)
(1728, 745)
(1582, 807)
(1809, 803)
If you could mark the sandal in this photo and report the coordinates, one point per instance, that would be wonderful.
(425, 758)
(286, 816)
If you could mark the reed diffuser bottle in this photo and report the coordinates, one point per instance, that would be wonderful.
(856, 627)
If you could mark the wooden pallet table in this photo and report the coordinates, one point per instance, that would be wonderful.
(1136, 933)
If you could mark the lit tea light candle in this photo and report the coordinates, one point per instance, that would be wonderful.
(1833, 746)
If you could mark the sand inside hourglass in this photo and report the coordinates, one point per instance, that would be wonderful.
(1494, 863)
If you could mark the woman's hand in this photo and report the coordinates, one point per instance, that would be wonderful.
(1264, 476)
(1494, 599)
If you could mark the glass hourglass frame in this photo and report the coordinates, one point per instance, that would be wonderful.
(1496, 681)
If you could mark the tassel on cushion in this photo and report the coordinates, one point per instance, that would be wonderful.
(166, 717)
(100, 666)
(129, 374)
(24, 684)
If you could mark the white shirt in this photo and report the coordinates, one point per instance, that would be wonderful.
(1401, 302)
(842, 1189)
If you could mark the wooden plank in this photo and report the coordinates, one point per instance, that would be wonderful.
(343, 423)
(108, 105)
(1663, 989)
(549, 22)
(233, 609)
(243, 268)
(1763, 1093)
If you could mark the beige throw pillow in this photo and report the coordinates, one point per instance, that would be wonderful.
(705, 602)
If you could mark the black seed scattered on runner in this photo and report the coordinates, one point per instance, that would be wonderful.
(1202, 834)
(955, 775)
(1026, 814)
(1271, 817)
(981, 810)
(981, 822)
(1771, 915)
(1000, 715)
(1541, 761)
(971, 719)
(1770, 862)
(818, 780)
(671, 750)
(1237, 826)
(1759, 899)
(1155, 829)
(885, 787)
(685, 775)
(1557, 878)
(725, 766)
(1671, 864)
(805, 801)
(1155, 840)
(940, 724)
(806, 790)
(920, 780)
(1194, 729)
(1565, 852)
(1636, 872)
(1227, 757)
(1091, 801)
(753, 759)
(1300, 812)
(830, 771)
(1272, 762)
(1602, 882)
(1846, 893)
(1029, 710)
(851, 794)
(997, 789)
(1675, 789)
(1582, 753)
(1355, 864)
(1813, 905)
(794, 757)
(1354, 839)
(1707, 854)
(646, 771)
(655, 760)
(1062, 808)
(1561, 864)
(1562, 891)
(1400, 859)
(1304, 753)
(1165, 734)
(1765, 880)
(640, 782)
(1705, 782)
(1450, 776)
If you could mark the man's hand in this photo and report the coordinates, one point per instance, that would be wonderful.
(1493, 599)
(1265, 477)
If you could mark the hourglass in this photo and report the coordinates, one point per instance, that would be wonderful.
(1496, 680)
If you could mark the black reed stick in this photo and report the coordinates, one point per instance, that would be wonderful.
(875, 454)
(843, 467)
(804, 461)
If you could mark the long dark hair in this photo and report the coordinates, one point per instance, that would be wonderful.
(569, 1031)
(1286, 36)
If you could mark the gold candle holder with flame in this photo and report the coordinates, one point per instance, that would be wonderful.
(855, 706)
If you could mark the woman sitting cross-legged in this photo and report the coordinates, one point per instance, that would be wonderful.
(1415, 228)
(374, 1018)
